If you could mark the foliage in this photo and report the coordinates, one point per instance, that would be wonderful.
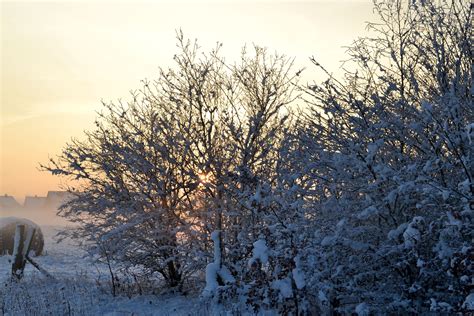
(393, 164)
(361, 202)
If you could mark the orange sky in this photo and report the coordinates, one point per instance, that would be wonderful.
(59, 59)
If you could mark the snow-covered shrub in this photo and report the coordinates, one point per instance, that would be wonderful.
(251, 200)
(392, 163)
(363, 203)
(181, 159)
(270, 275)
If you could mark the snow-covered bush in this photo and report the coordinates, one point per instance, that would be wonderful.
(362, 203)
(181, 159)
(392, 163)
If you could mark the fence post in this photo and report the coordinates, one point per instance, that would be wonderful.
(18, 260)
(21, 248)
(2, 246)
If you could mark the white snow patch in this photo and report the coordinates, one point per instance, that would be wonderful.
(469, 302)
(322, 296)
(260, 252)
(395, 233)
(226, 276)
(368, 212)
(298, 274)
(362, 309)
(470, 133)
(372, 149)
(215, 236)
(419, 263)
(328, 241)
(76, 283)
(445, 194)
(284, 287)
(439, 306)
(216, 269)
(412, 235)
(211, 279)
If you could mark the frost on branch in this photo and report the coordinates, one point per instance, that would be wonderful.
(217, 274)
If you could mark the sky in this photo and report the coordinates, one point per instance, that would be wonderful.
(60, 59)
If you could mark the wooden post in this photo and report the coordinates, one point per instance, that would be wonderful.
(21, 249)
(2, 249)
(18, 260)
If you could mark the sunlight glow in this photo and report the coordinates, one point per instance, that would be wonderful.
(205, 178)
(55, 73)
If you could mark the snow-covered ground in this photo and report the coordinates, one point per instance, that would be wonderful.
(79, 287)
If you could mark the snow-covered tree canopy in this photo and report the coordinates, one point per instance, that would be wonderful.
(162, 171)
(392, 161)
(361, 202)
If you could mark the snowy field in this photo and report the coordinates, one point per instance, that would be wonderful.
(80, 287)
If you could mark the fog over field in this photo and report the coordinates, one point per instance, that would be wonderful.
(41, 210)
